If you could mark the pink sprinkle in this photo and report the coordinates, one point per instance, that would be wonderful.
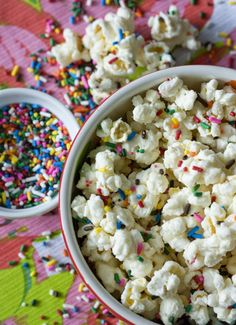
(197, 217)
(214, 120)
(85, 82)
(199, 279)
(139, 248)
(105, 311)
(90, 296)
(196, 119)
(122, 282)
(113, 60)
(193, 261)
(119, 148)
(133, 188)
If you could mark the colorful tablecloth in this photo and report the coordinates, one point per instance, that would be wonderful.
(25, 284)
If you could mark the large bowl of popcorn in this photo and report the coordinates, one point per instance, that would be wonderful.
(147, 198)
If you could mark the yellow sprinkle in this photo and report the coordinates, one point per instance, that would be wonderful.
(76, 94)
(223, 34)
(28, 196)
(49, 163)
(108, 2)
(29, 69)
(212, 227)
(234, 47)
(228, 42)
(55, 132)
(2, 157)
(113, 48)
(22, 229)
(231, 3)
(57, 30)
(128, 192)
(49, 122)
(80, 288)
(63, 75)
(107, 208)
(174, 123)
(35, 160)
(102, 169)
(52, 151)
(50, 178)
(90, 19)
(98, 230)
(62, 159)
(4, 197)
(36, 77)
(120, 322)
(14, 159)
(186, 152)
(52, 262)
(63, 83)
(33, 273)
(15, 71)
(68, 146)
(126, 33)
(105, 139)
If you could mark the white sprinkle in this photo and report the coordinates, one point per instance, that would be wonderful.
(76, 82)
(84, 298)
(68, 306)
(72, 271)
(59, 269)
(46, 233)
(23, 304)
(78, 298)
(66, 315)
(29, 179)
(37, 193)
(8, 184)
(41, 78)
(89, 2)
(21, 255)
(88, 69)
(67, 99)
(96, 305)
(86, 18)
(85, 289)
(36, 167)
(45, 114)
(84, 102)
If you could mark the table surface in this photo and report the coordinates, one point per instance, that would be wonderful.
(21, 23)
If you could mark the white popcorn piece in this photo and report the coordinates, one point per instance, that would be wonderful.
(173, 30)
(122, 244)
(71, 50)
(185, 99)
(171, 309)
(170, 88)
(139, 269)
(208, 90)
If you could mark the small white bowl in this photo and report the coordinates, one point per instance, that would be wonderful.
(21, 95)
(115, 106)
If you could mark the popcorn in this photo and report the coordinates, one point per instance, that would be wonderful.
(173, 30)
(156, 208)
(166, 280)
(171, 309)
(71, 50)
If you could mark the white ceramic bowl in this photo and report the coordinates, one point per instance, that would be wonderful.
(21, 95)
(114, 107)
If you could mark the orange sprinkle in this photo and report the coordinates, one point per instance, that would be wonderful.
(231, 83)
(192, 153)
(210, 104)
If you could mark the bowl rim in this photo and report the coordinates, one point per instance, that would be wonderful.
(32, 96)
(68, 232)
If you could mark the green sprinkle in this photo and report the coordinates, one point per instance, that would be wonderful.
(116, 277)
(129, 274)
(94, 310)
(193, 2)
(202, 15)
(140, 258)
(188, 308)
(141, 150)
(205, 125)
(195, 188)
(23, 248)
(42, 36)
(12, 263)
(197, 194)
(109, 144)
(219, 44)
(124, 153)
(52, 42)
(171, 319)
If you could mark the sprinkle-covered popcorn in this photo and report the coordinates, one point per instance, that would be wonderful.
(156, 204)
(71, 50)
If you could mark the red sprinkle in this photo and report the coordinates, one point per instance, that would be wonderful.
(180, 162)
(213, 198)
(198, 169)
(232, 114)
(113, 60)
(196, 119)
(185, 169)
(159, 112)
(140, 203)
(177, 134)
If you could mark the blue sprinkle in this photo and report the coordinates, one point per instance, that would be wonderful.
(121, 36)
(45, 244)
(192, 231)
(139, 196)
(103, 2)
(33, 64)
(122, 194)
(115, 43)
(25, 265)
(72, 20)
(75, 309)
(233, 306)
(131, 135)
(158, 217)
(119, 225)
(8, 203)
(197, 236)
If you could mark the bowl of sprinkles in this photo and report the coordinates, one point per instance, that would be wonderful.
(36, 132)
(140, 209)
